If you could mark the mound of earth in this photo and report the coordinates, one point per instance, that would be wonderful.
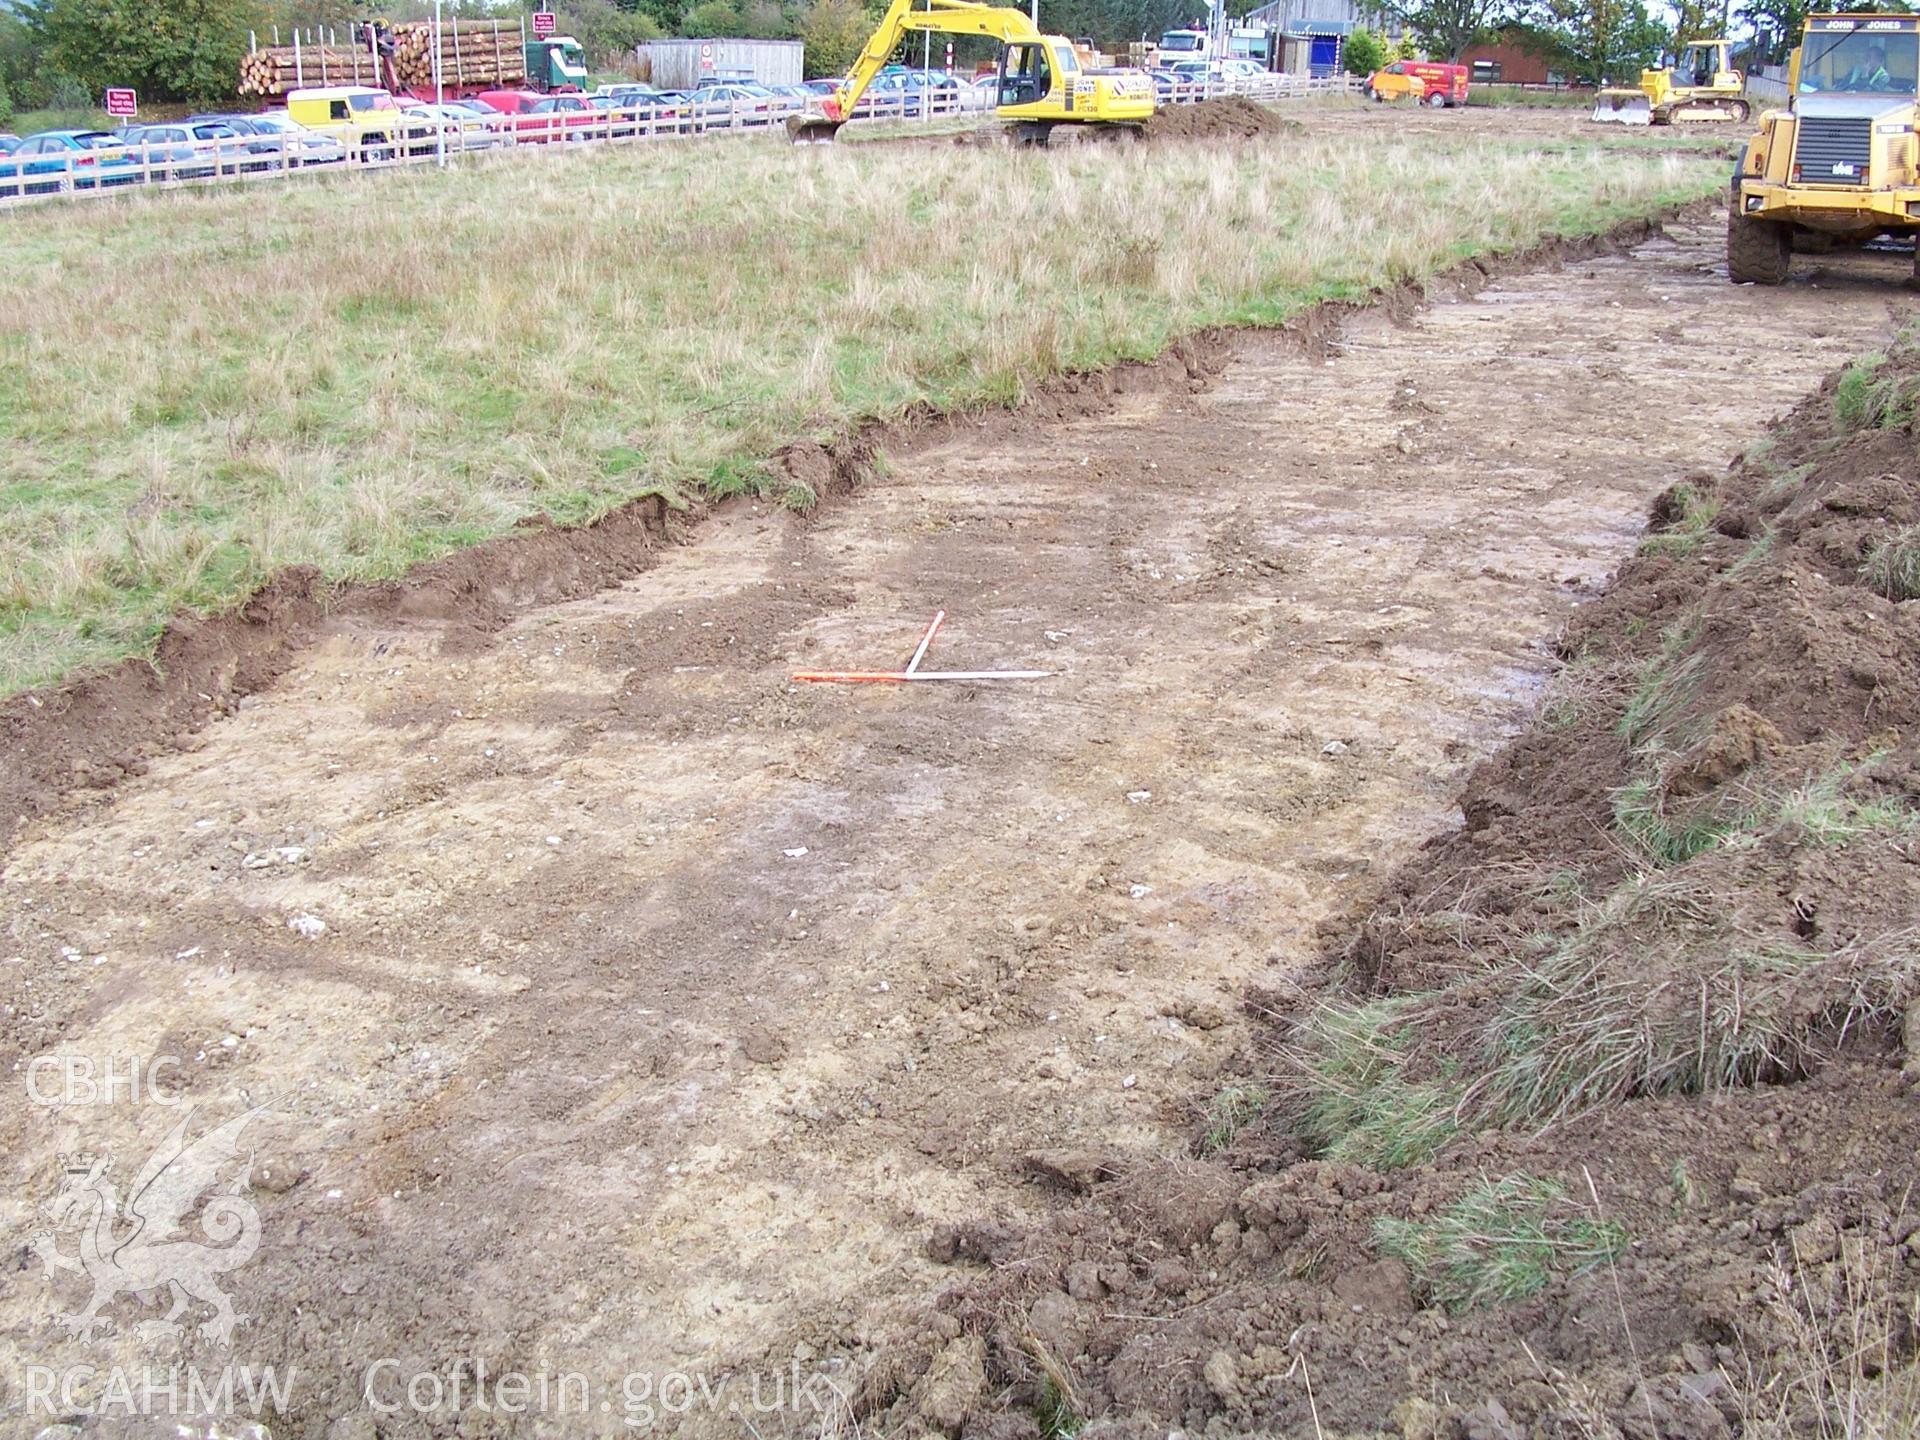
(1602, 1119)
(1230, 117)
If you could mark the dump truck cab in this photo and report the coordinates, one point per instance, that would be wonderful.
(556, 63)
(1840, 164)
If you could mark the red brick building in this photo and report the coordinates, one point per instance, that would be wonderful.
(1505, 63)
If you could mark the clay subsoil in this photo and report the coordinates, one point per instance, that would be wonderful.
(666, 1010)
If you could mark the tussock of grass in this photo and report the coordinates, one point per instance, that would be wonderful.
(1361, 1108)
(1232, 1110)
(1642, 818)
(1501, 1240)
(199, 389)
(1864, 399)
(1829, 816)
(1893, 564)
(1683, 537)
(1666, 682)
(1656, 990)
(1819, 808)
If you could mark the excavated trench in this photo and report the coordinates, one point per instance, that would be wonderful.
(618, 1008)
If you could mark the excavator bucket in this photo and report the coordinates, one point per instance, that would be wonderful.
(818, 123)
(1623, 107)
(812, 129)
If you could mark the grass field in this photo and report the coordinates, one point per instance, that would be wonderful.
(198, 389)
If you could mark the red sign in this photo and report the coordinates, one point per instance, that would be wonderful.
(122, 104)
(543, 23)
(706, 57)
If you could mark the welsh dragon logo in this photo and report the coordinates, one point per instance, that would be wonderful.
(141, 1248)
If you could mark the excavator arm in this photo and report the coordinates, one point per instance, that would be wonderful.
(904, 17)
(949, 17)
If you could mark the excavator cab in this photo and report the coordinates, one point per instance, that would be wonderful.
(1026, 77)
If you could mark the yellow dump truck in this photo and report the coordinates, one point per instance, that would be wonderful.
(1840, 164)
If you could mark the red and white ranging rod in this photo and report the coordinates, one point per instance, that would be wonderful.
(913, 670)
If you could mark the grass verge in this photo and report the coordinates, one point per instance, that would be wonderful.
(361, 373)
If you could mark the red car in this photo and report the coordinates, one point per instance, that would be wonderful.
(535, 118)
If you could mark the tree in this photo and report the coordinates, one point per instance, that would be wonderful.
(606, 32)
(834, 32)
(1365, 53)
(1698, 20)
(1776, 26)
(711, 19)
(166, 49)
(1596, 41)
(1449, 27)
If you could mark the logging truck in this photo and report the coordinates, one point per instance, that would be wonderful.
(472, 56)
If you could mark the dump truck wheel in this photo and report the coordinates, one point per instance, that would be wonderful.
(1759, 252)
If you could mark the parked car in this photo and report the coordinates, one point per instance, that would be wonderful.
(891, 96)
(734, 102)
(9, 144)
(566, 117)
(239, 148)
(522, 119)
(61, 159)
(638, 110)
(465, 130)
(629, 96)
(300, 145)
(1231, 76)
(170, 152)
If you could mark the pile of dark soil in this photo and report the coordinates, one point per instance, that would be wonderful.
(1602, 1121)
(1233, 117)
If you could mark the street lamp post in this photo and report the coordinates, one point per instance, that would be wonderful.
(439, 91)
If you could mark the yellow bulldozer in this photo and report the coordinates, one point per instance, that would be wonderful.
(1701, 84)
(1043, 85)
(1839, 167)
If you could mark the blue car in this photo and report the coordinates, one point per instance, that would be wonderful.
(67, 159)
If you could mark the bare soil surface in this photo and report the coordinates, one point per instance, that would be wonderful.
(665, 1009)
(1680, 912)
(1518, 122)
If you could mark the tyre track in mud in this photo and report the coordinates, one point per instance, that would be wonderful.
(664, 1007)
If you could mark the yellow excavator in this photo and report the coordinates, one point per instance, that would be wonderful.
(1700, 85)
(1043, 86)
